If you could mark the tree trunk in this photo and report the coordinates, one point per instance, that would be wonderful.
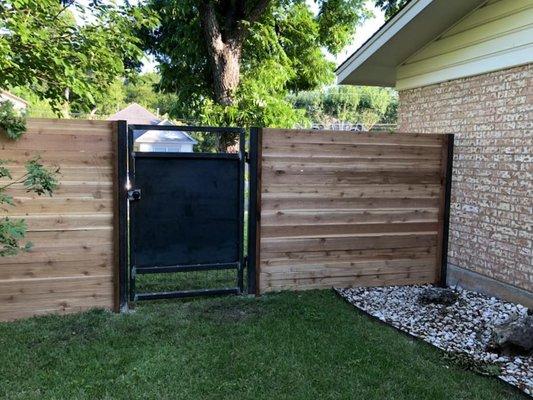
(224, 56)
(225, 50)
(226, 64)
(65, 110)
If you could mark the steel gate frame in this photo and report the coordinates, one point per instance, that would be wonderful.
(125, 170)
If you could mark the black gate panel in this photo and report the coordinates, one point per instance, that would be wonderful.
(189, 210)
(186, 213)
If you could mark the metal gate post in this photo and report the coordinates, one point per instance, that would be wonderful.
(242, 169)
(131, 183)
(121, 213)
(447, 203)
(253, 208)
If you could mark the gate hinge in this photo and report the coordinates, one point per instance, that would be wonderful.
(134, 194)
(246, 157)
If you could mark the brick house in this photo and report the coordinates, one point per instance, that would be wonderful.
(465, 67)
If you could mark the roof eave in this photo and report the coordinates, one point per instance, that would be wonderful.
(418, 23)
(380, 37)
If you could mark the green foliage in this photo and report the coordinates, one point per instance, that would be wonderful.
(145, 90)
(140, 88)
(352, 104)
(43, 49)
(282, 52)
(12, 121)
(391, 7)
(37, 107)
(336, 20)
(37, 179)
(259, 103)
(391, 113)
(106, 102)
(12, 232)
(4, 171)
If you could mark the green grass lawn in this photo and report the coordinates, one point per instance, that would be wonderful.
(210, 279)
(311, 345)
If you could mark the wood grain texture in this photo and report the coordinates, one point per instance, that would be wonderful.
(349, 209)
(72, 262)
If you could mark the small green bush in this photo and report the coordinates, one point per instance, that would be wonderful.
(12, 121)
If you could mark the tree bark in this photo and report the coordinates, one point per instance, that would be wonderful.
(65, 110)
(226, 64)
(225, 48)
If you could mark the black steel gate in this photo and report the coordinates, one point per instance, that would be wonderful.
(186, 213)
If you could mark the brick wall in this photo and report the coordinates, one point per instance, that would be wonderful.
(491, 116)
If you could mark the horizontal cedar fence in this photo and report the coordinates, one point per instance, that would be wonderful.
(71, 265)
(349, 209)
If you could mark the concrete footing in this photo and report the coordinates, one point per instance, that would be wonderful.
(457, 276)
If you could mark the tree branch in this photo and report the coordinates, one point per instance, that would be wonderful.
(256, 12)
(250, 16)
(14, 182)
(210, 25)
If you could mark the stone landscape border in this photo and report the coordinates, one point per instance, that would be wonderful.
(348, 295)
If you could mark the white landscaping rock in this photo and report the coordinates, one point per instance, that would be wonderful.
(465, 326)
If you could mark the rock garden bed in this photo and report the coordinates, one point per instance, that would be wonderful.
(482, 333)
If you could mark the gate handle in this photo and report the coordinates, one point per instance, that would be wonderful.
(134, 194)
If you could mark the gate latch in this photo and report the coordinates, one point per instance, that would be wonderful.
(134, 194)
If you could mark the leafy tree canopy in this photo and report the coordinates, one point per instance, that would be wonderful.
(352, 104)
(391, 7)
(139, 88)
(37, 107)
(145, 90)
(234, 62)
(44, 48)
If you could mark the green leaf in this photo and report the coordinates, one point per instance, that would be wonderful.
(39, 179)
(6, 199)
(11, 234)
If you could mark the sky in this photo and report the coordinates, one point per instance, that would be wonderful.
(364, 32)
(367, 29)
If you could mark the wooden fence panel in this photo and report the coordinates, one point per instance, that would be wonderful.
(72, 264)
(349, 209)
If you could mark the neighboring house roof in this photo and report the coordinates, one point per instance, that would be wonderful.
(18, 101)
(136, 114)
(413, 27)
(156, 136)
